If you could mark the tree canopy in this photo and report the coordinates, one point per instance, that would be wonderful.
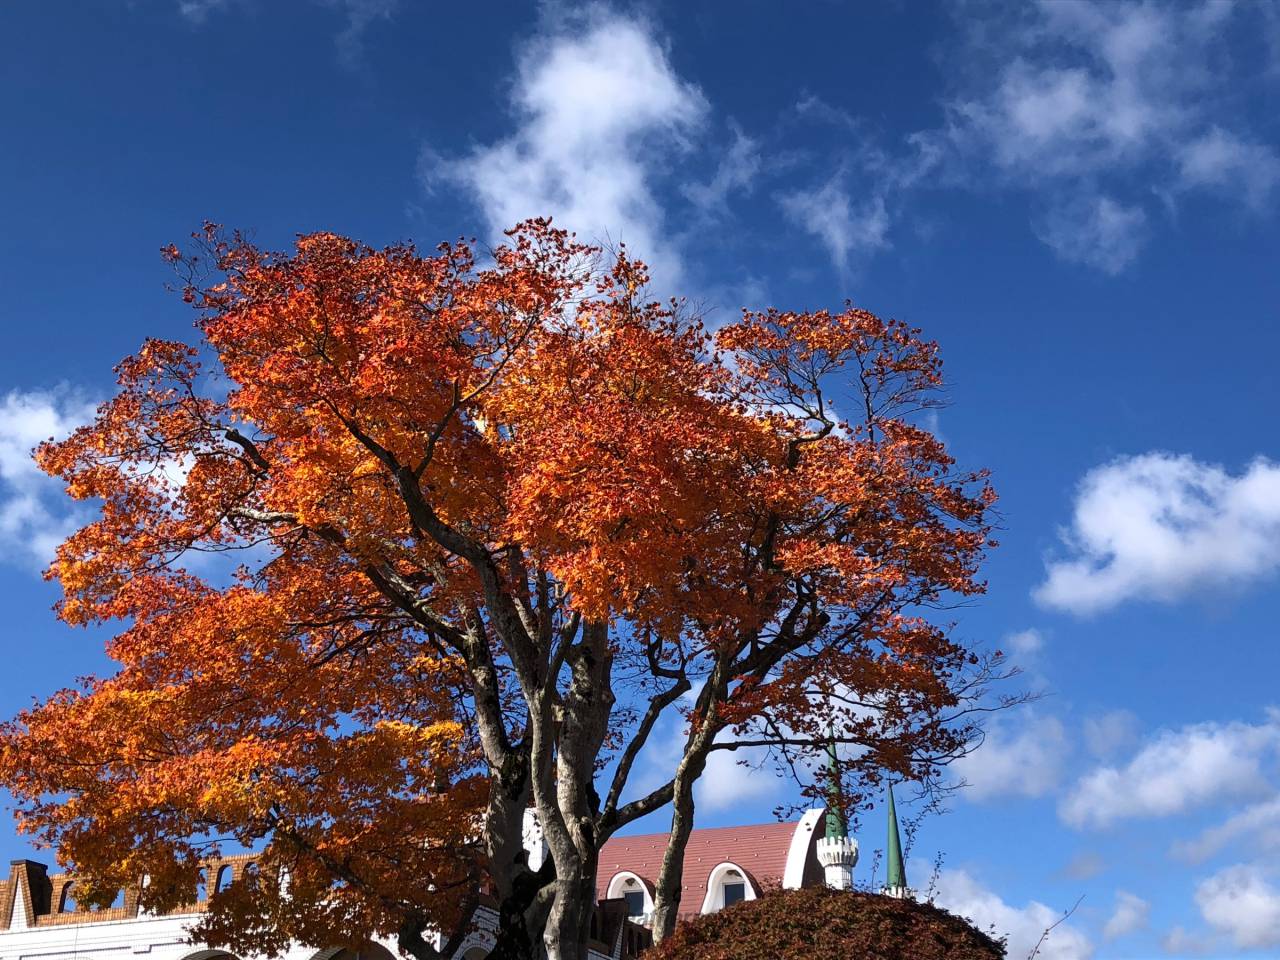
(402, 544)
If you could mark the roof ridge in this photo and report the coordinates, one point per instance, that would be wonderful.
(743, 826)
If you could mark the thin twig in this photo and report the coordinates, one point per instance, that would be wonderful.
(1049, 929)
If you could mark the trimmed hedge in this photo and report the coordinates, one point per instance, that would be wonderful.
(820, 924)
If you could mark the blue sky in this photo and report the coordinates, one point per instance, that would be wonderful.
(1077, 200)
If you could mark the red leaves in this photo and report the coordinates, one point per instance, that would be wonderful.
(816, 923)
(386, 442)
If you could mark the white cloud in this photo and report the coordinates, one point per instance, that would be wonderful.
(1097, 108)
(600, 111)
(34, 517)
(962, 894)
(1108, 733)
(1159, 526)
(1259, 823)
(1084, 87)
(1095, 231)
(726, 783)
(1220, 159)
(828, 213)
(1243, 902)
(1018, 757)
(1130, 915)
(1177, 771)
(1100, 106)
(1025, 643)
(1103, 113)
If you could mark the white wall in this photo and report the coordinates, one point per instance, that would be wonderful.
(156, 938)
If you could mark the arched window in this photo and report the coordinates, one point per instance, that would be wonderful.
(727, 885)
(223, 879)
(635, 891)
(202, 886)
(251, 875)
(67, 901)
(734, 888)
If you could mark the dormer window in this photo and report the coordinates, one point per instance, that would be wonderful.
(727, 884)
(735, 891)
(635, 902)
(631, 890)
(734, 887)
(634, 895)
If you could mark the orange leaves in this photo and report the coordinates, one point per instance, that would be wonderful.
(240, 712)
(790, 360)
(618, 455)
(390, 502)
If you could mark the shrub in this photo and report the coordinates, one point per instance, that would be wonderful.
(819, 924)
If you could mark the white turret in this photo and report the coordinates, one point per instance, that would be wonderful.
(838, 856)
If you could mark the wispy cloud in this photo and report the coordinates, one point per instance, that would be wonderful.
(1018, 757)
(1160, 526)
(1176, 771)
(1130, 915)
(737, 172)
(962, 894)
(1099, 107)
(845, 227)
(358, 15)
(1084, 865)
(1258, 824)
(197, 11)
(34, 515)
(1222, 160)
(1095, 231)
(1103, 114)
(1025, 643)
(1106, 734)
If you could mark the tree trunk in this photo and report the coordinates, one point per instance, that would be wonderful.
(515, 884)
(668, 891)
(569, 922)
(666, 906)
(587, 705)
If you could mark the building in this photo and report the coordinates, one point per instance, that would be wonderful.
(40, 919)
(722, 865)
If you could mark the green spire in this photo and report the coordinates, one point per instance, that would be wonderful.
(897, 873)
(836, 828)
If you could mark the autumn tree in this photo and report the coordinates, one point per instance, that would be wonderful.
(403, 545)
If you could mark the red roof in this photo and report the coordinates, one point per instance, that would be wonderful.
(760, 850)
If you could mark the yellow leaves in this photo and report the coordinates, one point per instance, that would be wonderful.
(417, 737)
